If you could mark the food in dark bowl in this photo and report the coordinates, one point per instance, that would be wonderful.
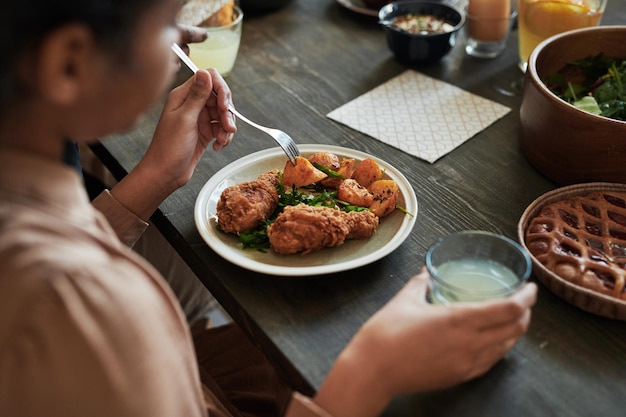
(565, 143)
(425, 24)
(420, 31)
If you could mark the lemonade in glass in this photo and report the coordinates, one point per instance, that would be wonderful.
(540, 19)
(220, 49)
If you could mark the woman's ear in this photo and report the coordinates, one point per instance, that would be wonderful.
(64, 64)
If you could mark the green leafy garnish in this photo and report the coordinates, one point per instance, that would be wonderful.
(328, 171)
(256, 239)
(405, 211)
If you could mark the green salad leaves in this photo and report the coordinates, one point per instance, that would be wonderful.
(595, 84)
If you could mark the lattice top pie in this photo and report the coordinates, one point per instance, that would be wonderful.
(583, 240)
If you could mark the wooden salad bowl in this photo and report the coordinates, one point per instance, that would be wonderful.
(564, 143)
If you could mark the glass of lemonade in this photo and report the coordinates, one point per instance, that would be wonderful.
(540, 19)
(475, 266)
(220, 49)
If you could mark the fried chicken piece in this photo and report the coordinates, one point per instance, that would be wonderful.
(363, 224)
(245, 206)
(270, 177)
(304, 229)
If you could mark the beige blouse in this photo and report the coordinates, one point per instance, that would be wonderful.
(87, 327)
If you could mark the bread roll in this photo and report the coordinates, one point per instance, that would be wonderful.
(206, 12)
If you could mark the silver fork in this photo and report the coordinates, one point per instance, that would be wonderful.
(283, 139)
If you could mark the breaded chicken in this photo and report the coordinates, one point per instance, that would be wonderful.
(363, 224)
(245, 206)
(304, 229)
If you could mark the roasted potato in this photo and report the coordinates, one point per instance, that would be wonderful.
(301, 174)
(385, 193)
(346, 168)
(327, 159)
(350, 191)
(367, 172)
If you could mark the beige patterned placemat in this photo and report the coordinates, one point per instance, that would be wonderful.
(420, 115)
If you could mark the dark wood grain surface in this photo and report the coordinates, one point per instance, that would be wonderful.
(297, 64)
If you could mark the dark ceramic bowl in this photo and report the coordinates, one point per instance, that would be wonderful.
(564, 143)
(413, 48)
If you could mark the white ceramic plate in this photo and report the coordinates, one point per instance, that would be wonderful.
(392, 230)
(359, 7)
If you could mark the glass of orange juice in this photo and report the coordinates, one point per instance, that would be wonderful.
(540, 19)
(488, 24)
(220, 49)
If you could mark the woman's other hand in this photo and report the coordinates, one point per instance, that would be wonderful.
(410, 346)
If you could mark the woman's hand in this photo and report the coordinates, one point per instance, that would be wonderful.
(192, 117)
(411, 345)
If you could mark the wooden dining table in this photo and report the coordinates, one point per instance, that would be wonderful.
(297, 64)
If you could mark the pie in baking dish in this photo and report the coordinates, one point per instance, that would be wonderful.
(582, 239)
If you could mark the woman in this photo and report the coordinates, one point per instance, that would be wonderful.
(87, 328)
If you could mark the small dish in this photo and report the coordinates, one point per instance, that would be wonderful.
(392, 231)
(583, 298)
(423, 47)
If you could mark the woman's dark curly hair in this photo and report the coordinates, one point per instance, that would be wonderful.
(25, 23)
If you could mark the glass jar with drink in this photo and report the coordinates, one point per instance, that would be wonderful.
(540, 19)
(220, 49)
(475, 266)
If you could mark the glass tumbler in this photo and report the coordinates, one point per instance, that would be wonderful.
(476, 266)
